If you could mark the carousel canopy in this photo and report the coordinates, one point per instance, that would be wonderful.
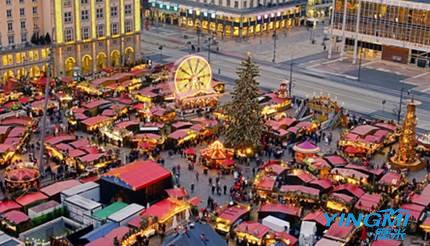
(217, 151)
(137, 175)
(253, 228)
(306, 147)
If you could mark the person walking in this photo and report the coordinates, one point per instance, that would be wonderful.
(197, 176)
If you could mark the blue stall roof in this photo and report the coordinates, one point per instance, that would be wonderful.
(100, 232)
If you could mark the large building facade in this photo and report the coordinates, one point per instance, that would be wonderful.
(94, 34)
(20, 21)
(228, 18)
(394, 30)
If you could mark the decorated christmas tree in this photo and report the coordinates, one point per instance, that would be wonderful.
(245, 124)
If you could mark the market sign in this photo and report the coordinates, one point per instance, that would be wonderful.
(390, 224)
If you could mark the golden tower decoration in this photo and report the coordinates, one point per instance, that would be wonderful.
(406, 156)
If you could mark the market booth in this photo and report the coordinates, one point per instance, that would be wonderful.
(318, 166)
(227, 216)
(14, 222)
(139, 182)
(305, 150)
(300, 194)
(369, 203)
(319, 218)
(343, 234)
(287, 212)
(251, 233)
(264, 186)
(392, 182)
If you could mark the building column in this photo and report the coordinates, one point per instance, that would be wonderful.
(330, 45)
(342, 50)
(94, 57)
(357, 31)
(108, 50)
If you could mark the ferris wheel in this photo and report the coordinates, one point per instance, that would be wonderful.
(193, 74)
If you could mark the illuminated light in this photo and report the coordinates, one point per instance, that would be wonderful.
(161, 6)
(190, 11)
(259, 17)
(272, 15)
(59, 21)
(205, 14)
(278, 14)
(175, 8)
(265, 16)
(197, 12)
(213, 15)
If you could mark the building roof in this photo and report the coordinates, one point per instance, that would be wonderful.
(100, 231)
(193, 237)
(30, 198)
(16, 217)
(7, 205)
(6, 240)
(369, 202)
(253, 228)
(316, 216)
(83, 202)
(59, 186)
(137, 175)
(340, 233)
(126, 212)
(80, 188)
(354, 190)
(95, 120)
(107, 211)
(44, 206)
(232, 213)
(386, 243)
(301, 189)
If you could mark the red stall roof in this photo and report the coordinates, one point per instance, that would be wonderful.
(6, 205)
(323, 183)
(232, 213)
(178, 134)
(391, 178)
(160, 209)
(95, 120)
(126, 124)
(95, 103)
(30, 198)
(177, 192)
(91, 157)
(386, 243)
(265, 183)
(6, 147)
(364, 169)
(353, 189)
(54, 140)
(139, 174)
(4, 129)
(253, 228)
(181, 124)
(415, 210)
(368, 202)
(345, 172)
(364, 130)
(16, 132)
(22, 121)
(317, 216)
(423, 198)
(16, 217)
(101, 242)
(82, 143)
(117, 232)
(57, 187)
(280, 208)
(300, 188)
(335, 160)
(284, 236)
(339, 233)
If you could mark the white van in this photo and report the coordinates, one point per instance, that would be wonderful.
(308, 231)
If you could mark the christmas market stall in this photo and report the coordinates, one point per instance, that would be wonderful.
(94, 123)
(170, 213)
(215, 154)
(323, 108)
(21, 178)
(298, 177)
(287, 212)
(116, 135)
(299, 194)
(318, 217)
(336, 160)
(15, 222)
(344, 197)
(180, 137)
(343, 233)
(350, 176)
(37, 106)
(392, 182)
(229, 215)
(251, 233)
(139, 182)
(318, 166)
(264, 186)
(373, 173)
(276, 101)
(416, 215)
(369, 203)
(305, 150)
(422, 198)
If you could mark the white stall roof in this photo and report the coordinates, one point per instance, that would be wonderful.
(80, 188)
(83, 202)
(126, 212)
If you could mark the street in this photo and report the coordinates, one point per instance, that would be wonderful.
(358, 96)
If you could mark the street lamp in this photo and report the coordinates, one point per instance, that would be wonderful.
(198, 32)
(211, 39)
(359, 62)
(274, 36)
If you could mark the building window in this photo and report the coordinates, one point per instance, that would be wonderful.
(8, 2)
(9, 13)
(9, 27)
(251, 3)
(67, 17)
(21, 1)
(23, 37)
(128, 26)
(22, 12)
(99, 13)
(100, 31)
(68, 34)
(11, 39)
(99, 1)
(114, 11)
(236, 4)
(84, 1)
(84, 15)
(34, 10)
(22, 24)
(85, 33)
(228, 3)
(114, 29)
(245, 4)
(127, 9)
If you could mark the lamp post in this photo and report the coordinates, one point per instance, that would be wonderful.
(198, 32)
(399, 112)
(290, 85)
(275, 37)
(210, 40)
(359, 62)
(45, 107)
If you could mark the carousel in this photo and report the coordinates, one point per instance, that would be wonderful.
(218, 156)
(192, 81)
(305, 150)
(21, 178)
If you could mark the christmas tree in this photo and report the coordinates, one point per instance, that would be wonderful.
(245, 124)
